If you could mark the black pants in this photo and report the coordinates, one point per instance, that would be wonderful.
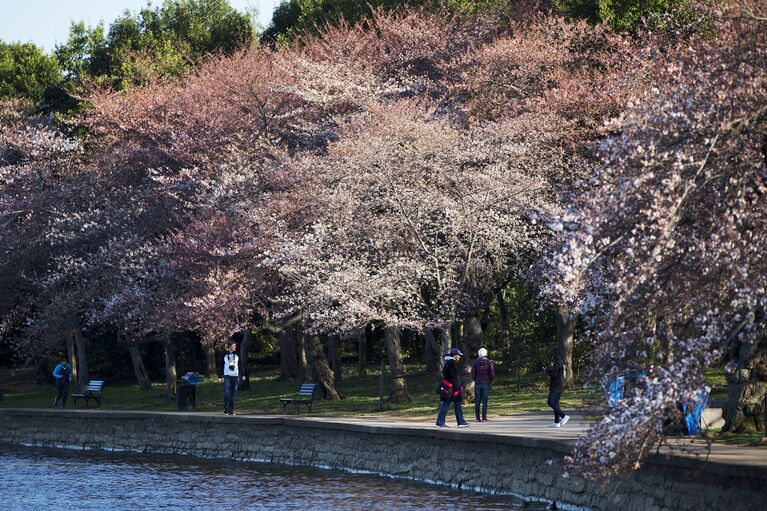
(554, 404)
(62, 389)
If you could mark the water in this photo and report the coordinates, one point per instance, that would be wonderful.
(33, 479)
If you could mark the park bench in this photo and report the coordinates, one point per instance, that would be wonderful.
(305, 396)
(92, 392)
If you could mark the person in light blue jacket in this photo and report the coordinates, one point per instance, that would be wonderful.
(62, 374)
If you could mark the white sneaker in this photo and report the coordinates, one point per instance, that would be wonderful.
(554, 425)
(565, 419)
(463, 425)
(441, 426)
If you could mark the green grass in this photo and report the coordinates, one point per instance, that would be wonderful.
(361, 395)
(755, 438)
(715, 378)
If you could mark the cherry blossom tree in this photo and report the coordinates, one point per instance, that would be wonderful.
(664, 254)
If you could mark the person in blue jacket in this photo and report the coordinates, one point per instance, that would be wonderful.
(62, 374)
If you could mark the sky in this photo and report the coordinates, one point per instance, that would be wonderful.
(46, 22)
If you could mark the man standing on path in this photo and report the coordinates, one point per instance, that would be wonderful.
(483, 373)
(62, 374)
(557, 373)
(231, 378)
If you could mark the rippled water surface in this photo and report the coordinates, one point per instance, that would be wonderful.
(34, 479)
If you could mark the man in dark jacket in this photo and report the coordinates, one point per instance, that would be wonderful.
(451, 379)
(483, 373)
(557, 373)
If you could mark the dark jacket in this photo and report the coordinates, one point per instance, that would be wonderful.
(483, 371)
(557, 374)
(451, 374)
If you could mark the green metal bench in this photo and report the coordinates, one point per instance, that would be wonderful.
(92, 392)
(305, 396)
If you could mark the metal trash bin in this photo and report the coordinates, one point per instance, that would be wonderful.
(186, 395)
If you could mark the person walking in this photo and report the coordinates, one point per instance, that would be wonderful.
(483, 373)
(557, 372)
(450, 379)
(231, 378)
(62, 375)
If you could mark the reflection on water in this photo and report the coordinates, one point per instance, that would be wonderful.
(34, 479)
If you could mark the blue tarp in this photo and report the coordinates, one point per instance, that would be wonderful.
(614, 390)
(694, 411)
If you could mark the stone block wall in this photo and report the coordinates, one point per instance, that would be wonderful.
(526, 467)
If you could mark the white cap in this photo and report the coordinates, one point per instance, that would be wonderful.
(482, 352)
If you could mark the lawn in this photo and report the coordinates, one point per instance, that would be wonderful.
(361, 395)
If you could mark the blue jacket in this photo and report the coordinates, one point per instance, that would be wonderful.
(62, 374)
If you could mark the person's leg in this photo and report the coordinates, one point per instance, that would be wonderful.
(553, 402)
(459, 413)
(235, 384)
(477, 398)
(227, 392)
(442, 415)
(485, 396)
(64, 393)
(57, 386)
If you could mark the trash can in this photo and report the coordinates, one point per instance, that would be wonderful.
(186, 395)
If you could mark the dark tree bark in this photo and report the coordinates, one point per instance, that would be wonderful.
(289, 363)
(318, 364)
(398, 391)
(72, 355)
(472, 341)
(211, 362)
(247, 340)
(446, 337)
(432, 350)
(170, 369)
(334, 358)
(142, 378)
(83, 376)
(565, 326)
(746, 374)
(362, 353)
(505, 326)
(303, 362)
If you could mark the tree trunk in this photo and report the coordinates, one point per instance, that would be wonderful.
(170, 369)
(83, 376)
(289, 365)
(472, 341)
(211, 362)
(746, 374)
(505, 326)
(565, 325)
(433, 354)
(303, 362)
(72, 355)
(142, 378)
(318, 363)
(334, 357)
(247, 340)
(362, 353)
(446, 336)
(398, 392)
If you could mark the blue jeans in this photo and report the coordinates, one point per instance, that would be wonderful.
(444, 406)
(481, 393)
(230, 390)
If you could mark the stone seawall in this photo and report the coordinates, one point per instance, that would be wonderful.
(526, 467)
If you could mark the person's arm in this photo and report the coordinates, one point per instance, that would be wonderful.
(474, 371)
(57, 372)
(492, 372)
